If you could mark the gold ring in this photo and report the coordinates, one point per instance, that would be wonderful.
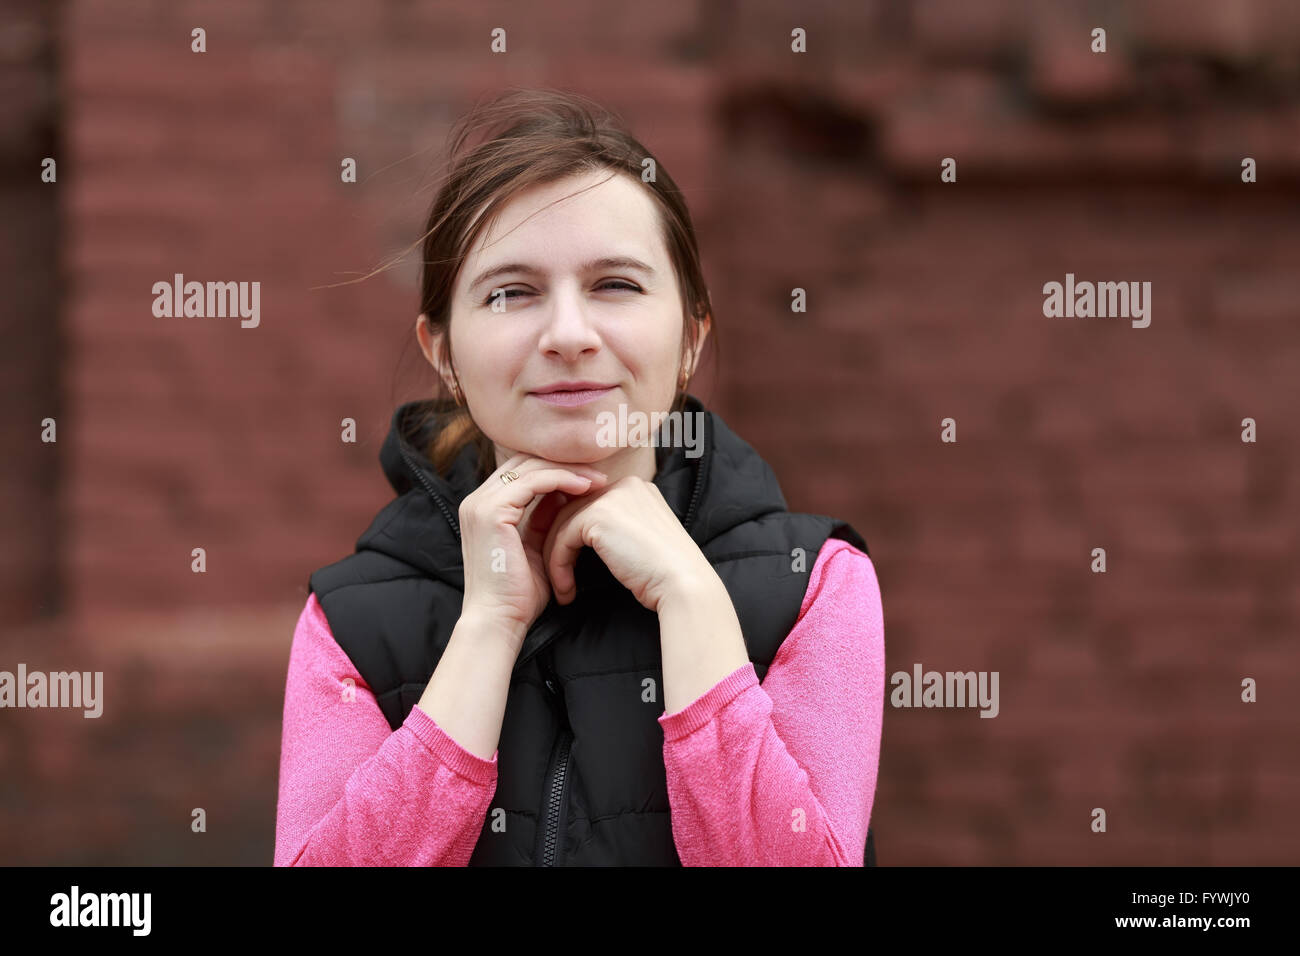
(508, 477)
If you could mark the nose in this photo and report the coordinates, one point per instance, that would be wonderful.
(569, 330)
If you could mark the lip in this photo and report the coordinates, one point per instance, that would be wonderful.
(572, 394)
(574, 386)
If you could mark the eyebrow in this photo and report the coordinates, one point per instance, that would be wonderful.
(606, 262)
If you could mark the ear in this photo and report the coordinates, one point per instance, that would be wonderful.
(693, 355)
(431, 344)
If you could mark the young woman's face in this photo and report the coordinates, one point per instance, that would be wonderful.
(563, 317)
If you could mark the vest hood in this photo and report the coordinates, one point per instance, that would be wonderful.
(725, 485)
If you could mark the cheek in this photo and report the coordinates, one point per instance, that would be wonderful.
(495, 356)
(650, 356)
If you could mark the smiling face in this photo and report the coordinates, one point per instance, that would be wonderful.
(584, 292)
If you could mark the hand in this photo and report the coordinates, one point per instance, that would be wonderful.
(636, 534)
(503, 527)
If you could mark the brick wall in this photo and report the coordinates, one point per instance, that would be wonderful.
(31, 572)
(1118, 690)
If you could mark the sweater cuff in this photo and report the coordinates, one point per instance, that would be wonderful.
(468, 765)
(706, 707)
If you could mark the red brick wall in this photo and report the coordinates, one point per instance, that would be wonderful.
(31, 570)
(819, 171)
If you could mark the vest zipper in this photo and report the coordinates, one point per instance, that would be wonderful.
(551, 822)
(698, 479)
(555, 805)
(437, 498)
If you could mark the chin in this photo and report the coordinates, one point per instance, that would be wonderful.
(575, 444)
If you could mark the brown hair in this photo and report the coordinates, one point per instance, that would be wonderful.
(536, 137)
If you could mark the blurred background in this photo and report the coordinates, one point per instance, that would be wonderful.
(818, 170)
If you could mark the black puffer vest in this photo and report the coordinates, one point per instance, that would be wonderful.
(580, 775)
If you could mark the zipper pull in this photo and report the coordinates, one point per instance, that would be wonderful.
(548, 673)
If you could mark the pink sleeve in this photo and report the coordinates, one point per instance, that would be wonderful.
(783, 773)
(354, 792)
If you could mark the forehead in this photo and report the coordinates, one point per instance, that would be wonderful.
(571, 221)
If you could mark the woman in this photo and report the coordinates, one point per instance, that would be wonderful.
(546, 649)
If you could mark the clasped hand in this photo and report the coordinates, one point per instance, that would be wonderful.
(521, 539)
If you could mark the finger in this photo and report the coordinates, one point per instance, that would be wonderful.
(494, 478)
(526, 518)
(538, 524)
(560, 551)
(532, 484)
(525, 464)
(510, 463)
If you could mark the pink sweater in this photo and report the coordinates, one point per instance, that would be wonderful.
(781, 773)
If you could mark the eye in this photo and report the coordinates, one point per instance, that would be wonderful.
(508, 294)
(504, 294)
